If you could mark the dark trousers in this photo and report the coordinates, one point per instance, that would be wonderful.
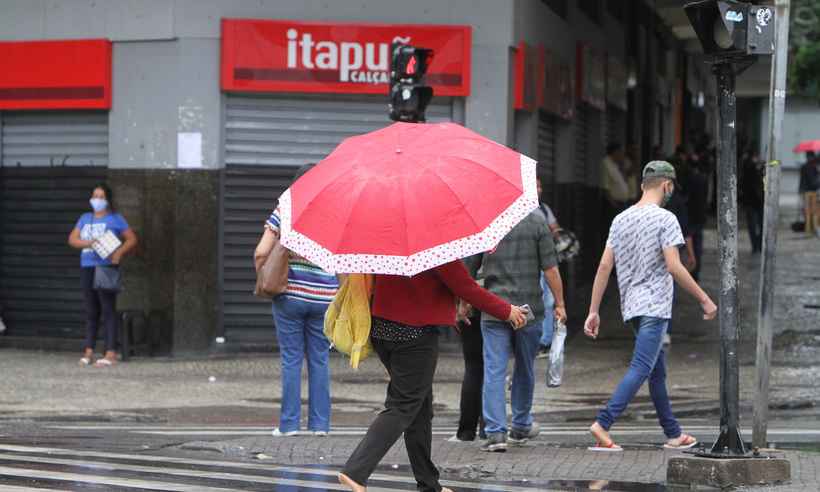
(472, 346)
(754, 221)
(408, 410)
(98, 304)
(697, 244)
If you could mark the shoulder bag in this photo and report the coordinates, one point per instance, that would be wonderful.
(272, 277)
(107, 278)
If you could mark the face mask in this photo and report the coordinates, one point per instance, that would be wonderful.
(98, 204)
(667, 196)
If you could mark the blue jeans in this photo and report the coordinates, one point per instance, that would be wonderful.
(549, 313)
(300, 333)
(648, 362)
(499, 341)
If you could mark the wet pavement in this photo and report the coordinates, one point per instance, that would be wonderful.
(204, 423)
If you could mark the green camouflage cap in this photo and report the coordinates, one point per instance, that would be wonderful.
(659, 169)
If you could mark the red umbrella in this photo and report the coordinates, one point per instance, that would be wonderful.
(807, 146)
(407, 198)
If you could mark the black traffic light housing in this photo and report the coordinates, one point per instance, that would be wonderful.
(727, 28)
(409, 96)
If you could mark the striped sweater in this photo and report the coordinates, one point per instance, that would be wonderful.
(306, 281)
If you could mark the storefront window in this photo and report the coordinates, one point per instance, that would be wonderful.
(557, 6)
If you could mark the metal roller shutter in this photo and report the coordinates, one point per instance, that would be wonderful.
(547, 155)
(615, 126)
(39, 205)
(266, 140)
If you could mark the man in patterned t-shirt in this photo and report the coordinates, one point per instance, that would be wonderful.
(643, 245)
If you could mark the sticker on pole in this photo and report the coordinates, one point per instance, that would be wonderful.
(733, 16)
(764, 17)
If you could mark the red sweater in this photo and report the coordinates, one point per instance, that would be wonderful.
(429, 298)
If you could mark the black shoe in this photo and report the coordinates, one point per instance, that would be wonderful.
(543, 352)
(496, 443)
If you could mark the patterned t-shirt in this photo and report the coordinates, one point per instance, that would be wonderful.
(94, 227)
(306, 281)
(638, 237)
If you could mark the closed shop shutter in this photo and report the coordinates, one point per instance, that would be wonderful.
(547, 155)
(266, 140)
(39, 205)
(580, 199)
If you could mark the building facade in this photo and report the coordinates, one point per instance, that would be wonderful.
(197, 112)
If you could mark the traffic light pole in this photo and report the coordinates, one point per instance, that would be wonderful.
(777, 103)
(729, 443)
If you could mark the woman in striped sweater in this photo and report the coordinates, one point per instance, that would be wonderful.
(299, 315)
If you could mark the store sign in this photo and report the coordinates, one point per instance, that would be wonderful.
(542, 81)
(557, 88)
(590, 76)
(55, 74)
(526, 77)
(293, 56)
(617, 83)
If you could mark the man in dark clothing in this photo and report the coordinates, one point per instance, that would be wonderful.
(698, 188)
(752, 187)
(809, 184)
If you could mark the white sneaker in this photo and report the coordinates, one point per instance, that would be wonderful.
(667, 340)
(277, 433)
(320, 433)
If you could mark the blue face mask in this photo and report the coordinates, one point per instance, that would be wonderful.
(98, 204)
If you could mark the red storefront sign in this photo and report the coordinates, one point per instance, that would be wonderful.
(55, 74)
(526, 69)
(293, 56)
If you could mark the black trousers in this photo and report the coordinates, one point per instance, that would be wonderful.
(408, 410)
(472, 346)
(98, 304)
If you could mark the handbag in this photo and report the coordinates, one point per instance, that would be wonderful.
(107, 278)
(272, 277)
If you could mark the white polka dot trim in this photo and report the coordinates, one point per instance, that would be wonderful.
(480, 242)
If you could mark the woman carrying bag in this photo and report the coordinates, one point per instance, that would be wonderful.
(107, 232)
(299, 305)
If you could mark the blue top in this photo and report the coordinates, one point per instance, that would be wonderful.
(93, 227)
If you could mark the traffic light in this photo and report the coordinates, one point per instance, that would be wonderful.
(727, 28)
(409, 96)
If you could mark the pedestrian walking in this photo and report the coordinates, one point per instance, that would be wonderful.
(406, 204)
(100, 300)
(808, 186)
(513, 271)
(470, 420)
(546, 293)
(299, 315)
(643, 247)
(753, 193)
(697, 206)
(407, 315)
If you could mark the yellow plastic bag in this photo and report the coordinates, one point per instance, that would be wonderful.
(347, 320)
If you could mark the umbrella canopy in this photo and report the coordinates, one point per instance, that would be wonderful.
(407, 198)
(807, 146)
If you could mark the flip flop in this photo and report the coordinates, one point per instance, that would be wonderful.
(103, 363)
(686, 442)
(610, 448)
(86, 361)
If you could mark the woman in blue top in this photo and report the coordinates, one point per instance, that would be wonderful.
(90, 227)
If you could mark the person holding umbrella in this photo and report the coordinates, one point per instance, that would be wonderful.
(407, 203)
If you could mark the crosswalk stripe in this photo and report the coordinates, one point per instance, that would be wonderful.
(18, 488)
(376, 477)
(175, 472)
(102, 480)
